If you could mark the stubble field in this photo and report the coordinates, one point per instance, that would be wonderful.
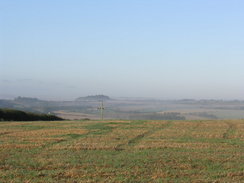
(122, 151)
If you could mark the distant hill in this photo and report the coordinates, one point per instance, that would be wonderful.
(17, 115)
(93, 98)
(27, 100)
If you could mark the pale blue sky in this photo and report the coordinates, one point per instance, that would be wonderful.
(167, 49)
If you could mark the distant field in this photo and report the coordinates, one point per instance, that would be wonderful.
(122, 151)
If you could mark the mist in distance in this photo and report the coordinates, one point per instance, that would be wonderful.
(154, 49)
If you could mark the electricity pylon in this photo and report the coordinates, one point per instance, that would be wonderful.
(101, 108)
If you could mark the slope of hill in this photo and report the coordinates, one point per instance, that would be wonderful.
(16, 115)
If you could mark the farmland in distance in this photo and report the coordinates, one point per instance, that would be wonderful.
(122, 151)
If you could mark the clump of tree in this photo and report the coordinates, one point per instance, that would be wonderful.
(17, 115)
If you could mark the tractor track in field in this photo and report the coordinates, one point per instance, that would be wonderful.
(4, 133)
(230, 130)
(133, 141)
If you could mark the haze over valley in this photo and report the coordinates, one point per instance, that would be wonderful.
(131, 108)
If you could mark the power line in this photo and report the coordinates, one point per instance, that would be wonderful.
(101, 108)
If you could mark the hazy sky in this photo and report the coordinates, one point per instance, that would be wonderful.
(169, 49)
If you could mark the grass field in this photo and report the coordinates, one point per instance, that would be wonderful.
(122, 151)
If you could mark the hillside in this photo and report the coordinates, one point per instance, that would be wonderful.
(16, 115)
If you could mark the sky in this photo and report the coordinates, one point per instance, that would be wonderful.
(61, 50)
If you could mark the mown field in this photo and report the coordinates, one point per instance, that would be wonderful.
(122, 151)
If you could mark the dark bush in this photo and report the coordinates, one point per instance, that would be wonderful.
(16, 115)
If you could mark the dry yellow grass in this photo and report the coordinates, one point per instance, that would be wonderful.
(171, 144)
(211, 129)
(16, 138)
(108, 141)
(122, 151)
(45, 133)
(199, 132)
